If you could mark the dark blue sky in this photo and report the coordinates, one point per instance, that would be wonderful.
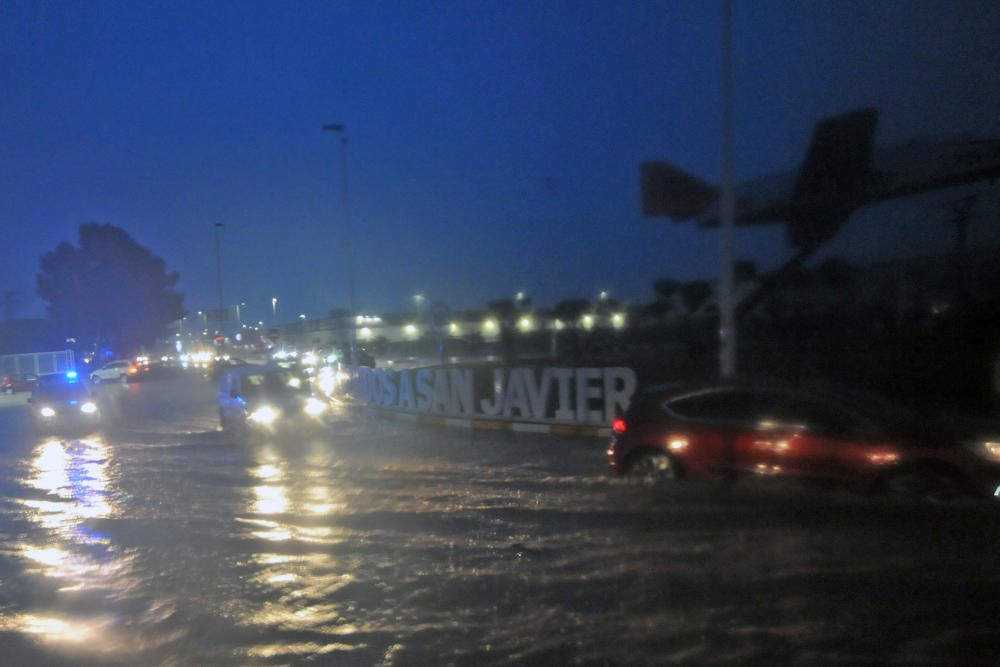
(494, 145)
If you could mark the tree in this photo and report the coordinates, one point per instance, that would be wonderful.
(109, 291)
(695, 294)
(666, 288)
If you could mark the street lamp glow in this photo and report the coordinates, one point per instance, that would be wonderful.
(454, 329)
(519, 296)
(490, 325)
(419, 298)
(411, 330)
(603, 296)
(365, 333)
(302, 316)
(525, 323)
(587, 321)
(558, 324)
(618, 320)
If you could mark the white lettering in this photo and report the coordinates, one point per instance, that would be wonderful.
(516, 397)
(538, 396)
(563, 376)
(406, 398)
(424, 389)
(461, 391)
(619, 385)
(439, 401)
(586, 391)
(492, 410)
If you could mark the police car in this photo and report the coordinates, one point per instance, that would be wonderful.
(64, 401)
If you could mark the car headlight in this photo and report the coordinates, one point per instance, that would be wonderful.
(987, 449)
(47, 412)
(264, 415)
(314, 407)
(88, 408)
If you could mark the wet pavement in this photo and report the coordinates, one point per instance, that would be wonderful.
(160, 542)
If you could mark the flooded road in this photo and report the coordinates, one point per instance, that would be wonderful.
(160, 542)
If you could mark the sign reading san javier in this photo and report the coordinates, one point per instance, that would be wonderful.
(569, 395)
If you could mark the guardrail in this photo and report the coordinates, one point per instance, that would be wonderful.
(37, 363)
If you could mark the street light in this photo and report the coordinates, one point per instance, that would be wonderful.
(218, 267)
(274, 310)
(340, 129)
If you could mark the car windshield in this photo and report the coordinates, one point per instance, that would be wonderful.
(271, 384)
(61, 391)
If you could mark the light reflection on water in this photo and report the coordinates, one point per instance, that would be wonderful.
(64, 549)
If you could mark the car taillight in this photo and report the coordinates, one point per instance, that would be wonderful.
(132, 370)
(619, 426)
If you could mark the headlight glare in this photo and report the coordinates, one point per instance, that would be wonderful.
(314, 407)
(88, 408)
(264, 415)
(988, 449)
(47, 412)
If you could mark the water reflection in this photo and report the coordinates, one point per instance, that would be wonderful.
(62, 547)
(291, 512)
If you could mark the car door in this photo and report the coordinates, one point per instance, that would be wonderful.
(708, 427)
(229, 390)
(796, 435)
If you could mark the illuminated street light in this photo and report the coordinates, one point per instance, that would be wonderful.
(587, 321)
(525, 323)
(274, 310)
(454, 329)
(411, 330)
(618, 320)
(490, 325)
(603, 296)
(302, 316)
(365, 333)
(558, 324)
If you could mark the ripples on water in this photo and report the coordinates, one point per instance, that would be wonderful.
(385, 544)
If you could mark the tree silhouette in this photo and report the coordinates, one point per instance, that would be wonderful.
(109, 291)
(695, 294)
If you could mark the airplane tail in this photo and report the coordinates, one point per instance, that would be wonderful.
(838, 164)
(673, 193)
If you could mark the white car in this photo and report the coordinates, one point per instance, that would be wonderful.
(114, 371)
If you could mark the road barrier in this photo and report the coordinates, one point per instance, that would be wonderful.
(37, 363)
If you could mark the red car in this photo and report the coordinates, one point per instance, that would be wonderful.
(766, 430)
(17, 383)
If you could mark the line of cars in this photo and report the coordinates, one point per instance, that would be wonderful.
(822, 435)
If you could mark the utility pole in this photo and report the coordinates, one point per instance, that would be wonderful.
(218, 274)
(352, 328)
(727, 315)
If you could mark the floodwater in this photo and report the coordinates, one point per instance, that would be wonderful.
(159, 542)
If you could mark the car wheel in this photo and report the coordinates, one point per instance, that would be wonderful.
(651, 467)
(926, 485)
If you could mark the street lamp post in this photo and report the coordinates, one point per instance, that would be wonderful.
(727, 306)
(274, 311)
(340, 129)
(218, 269)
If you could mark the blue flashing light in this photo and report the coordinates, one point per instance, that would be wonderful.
(71, 375)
